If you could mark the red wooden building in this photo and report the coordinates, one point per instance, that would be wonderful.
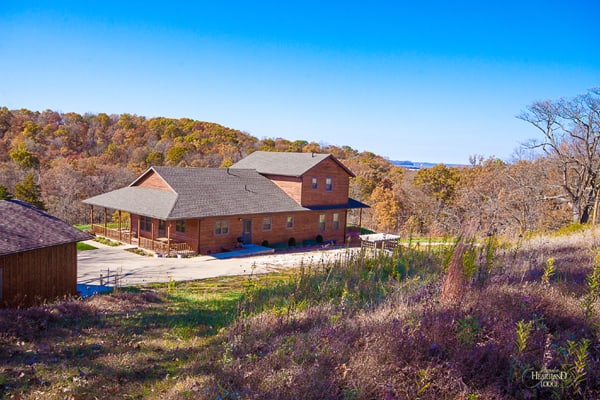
(38, 255)
(272, 197)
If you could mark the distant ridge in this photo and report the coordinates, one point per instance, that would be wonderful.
(415, 166)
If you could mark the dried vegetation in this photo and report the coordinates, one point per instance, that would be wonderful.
(360, 328)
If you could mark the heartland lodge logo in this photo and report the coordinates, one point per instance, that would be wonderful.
(545, 378)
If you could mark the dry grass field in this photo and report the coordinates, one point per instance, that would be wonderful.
(526, 325)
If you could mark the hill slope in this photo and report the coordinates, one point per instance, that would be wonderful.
(362, 328)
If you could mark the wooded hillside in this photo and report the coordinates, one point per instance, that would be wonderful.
(58, 159)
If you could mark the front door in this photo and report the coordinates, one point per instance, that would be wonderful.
(247, 231)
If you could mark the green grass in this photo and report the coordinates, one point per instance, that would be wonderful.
(427, 240)
(81, 246)
(106, 241)
(84, 227)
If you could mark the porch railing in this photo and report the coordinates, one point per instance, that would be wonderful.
(158, 246)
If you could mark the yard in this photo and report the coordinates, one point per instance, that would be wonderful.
(358, 327)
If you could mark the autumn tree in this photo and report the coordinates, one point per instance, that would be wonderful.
(439, 180)
(24, 158)
(385, 207)
(155, 158)
(4, 193)
(28, 190)
(477, 202)
(526, 192)
(571, 136)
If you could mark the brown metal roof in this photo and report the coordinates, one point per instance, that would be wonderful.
(24, 227)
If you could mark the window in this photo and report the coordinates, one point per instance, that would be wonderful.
(329, 184)
(145, 223)
(289, 222)
(335, 224)
(322, 222)
(180, 226)
(221, 228)
(266, 224)
(313, 183)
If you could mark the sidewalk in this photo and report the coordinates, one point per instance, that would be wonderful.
(134, 269)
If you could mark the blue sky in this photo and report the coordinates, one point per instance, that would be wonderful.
(432, 81)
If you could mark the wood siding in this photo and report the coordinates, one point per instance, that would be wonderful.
(38, 275)
(153, 181)
(320, 196)
(292, 186)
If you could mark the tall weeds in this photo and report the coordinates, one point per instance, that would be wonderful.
(354, 278)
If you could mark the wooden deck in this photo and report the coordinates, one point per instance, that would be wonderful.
(158, 245)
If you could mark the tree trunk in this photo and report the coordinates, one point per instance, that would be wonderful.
(576, 212)
(585, 215)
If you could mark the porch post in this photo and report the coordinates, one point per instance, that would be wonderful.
(168, 238)
(345, 224)
(92, 217)
(152, 223)
(360, 218)
(130, 230)
(105, 220)
(138, 229)
(120, 226)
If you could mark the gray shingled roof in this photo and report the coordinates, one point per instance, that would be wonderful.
(199, 193)
(154, 203)
(24, 227)
(287, 164)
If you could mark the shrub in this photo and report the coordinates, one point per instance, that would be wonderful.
(571, 228)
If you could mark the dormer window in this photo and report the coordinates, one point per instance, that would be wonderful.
(313, 183)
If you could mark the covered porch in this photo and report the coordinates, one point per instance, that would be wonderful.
(160, 241)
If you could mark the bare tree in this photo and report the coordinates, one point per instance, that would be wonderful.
(571, 129)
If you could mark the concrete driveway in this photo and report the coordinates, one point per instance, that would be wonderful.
(133, 269)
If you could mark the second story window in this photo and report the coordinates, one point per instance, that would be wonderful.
(329, 184)
(289, 222)
(313, 183)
